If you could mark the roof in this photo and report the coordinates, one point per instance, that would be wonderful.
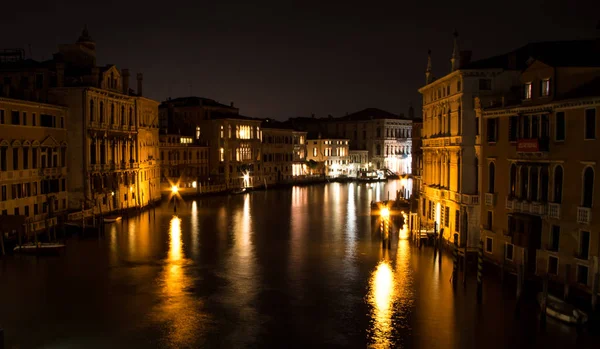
(193, 101)
(589, 89)
(216, 115)
(370, 114)
(274, 124)
(573, 53)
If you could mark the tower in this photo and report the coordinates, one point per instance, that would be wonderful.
(455, 60)
(86, 40)
(428, 73)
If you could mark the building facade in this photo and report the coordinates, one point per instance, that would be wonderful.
(416, 156)
(359, 161)
(538, 172)
(33, 161)
(332, 153)
(450, 177)
(107, 119)
(283, 153)
(184, 163)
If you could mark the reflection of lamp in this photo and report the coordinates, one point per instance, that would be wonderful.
(385, 213)
(194, 184)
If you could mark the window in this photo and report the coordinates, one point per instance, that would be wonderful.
(35, 209)
(554, 238)
(3, 193)
(544, 184)
(489, 244)
(457, 221)
(25, 118)
(523, 178)
(46, 120)
(1, 117)
(485, 84)
(229, 131)
(15, 120)
(584, 245)
(492, 130)
(590, 124)
(582, 274)
(559, 135)
(513, 180)
(27, 211)
(39, 81)
(3, 162)
(491, 178)
(512, 129)
(25, 158)
(552, 265)
(458, 86)
(33, 120)
(558, 184)
(197, 132)
(545, 87)
(508, 251)
(101, 112)
(490, 220)
(112, 114)
(533, 187)
(588, 187)
(221, 154)
(15, 158)
(527, 90)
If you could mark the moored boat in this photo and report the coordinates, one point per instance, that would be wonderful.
(561, 310)
(40, 248)
(112, 219)
(238, 191)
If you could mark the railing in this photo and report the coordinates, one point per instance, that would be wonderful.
(554, 210)
(584, 215)
(510, 203)
(532, 145)
(537, 208)
(490, 199)
(470, 199)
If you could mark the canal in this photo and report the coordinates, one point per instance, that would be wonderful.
(295, 267)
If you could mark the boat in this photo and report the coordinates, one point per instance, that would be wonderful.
(238, 191)
(40, 248)
(112, 219)
(561, 310)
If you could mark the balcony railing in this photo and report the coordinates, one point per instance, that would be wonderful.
(470, 199)
(554, 210)
(510, 203)
(584, 215)
(490, 199)
(552, 247)
(537, 208)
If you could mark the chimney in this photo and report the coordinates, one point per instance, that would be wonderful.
(313, 115)
(465, 58)
(60, 75)
(125, 77)
(411, 111)
(232, 104)
(140, 78)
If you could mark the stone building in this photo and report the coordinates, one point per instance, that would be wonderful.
(110, 166)
(283, 153)
(450, 177)
(184, 163)
(538, 175)
(332, 153)
(416, 156)
(33, 161)
(178, 115)
(359, 161)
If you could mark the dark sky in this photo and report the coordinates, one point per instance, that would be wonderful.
(280, 59)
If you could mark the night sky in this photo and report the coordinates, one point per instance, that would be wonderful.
(281, 59)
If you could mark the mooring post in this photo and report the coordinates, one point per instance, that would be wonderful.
(480, 272)
(455, 269)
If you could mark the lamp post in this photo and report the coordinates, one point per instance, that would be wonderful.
(174, 190)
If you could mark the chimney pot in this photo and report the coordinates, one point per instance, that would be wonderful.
(232, 104)
(140, 79)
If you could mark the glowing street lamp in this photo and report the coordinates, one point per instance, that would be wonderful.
(385, 213)
(174, 190)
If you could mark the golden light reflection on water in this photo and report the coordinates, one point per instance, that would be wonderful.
(403, 232)
(178, 308)
(382, 299)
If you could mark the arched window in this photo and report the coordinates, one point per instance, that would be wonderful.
(523, 178)
(558, 184)
(101, 112)
(112, 114)
(378, 149)
(533, 174)
(513, 180)
(91, 110)
(491, 177)
(588, 187)
(130, 116)
(123, 116)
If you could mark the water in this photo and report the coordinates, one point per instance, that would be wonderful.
(281, 268)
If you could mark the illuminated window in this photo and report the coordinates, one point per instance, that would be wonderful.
(545, 88)
(222, 135)
(197, 132)
(314, 151)
(237, 131)
(527, 90)
(221, 154)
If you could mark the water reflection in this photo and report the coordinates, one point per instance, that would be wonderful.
(382, 299)
(179, 309)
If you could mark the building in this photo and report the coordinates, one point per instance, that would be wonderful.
(450, 177)
(386, 136)
(234, 149)
(178, 115)
(110, 166)
(359, 161)
(283, 153)
(184, 163)
(416, 156)
(332, 153)
(33, 161)
(538, 175)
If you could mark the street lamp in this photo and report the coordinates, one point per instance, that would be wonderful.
(174, 190)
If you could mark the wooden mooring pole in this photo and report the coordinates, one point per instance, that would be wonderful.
(455, 269)
(480, 272)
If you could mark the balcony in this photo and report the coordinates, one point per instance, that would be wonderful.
(532, 145)
(510, 203)
(470, 199)
(537, 208)
(490, 199)
(584, 215)
(554, 210)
